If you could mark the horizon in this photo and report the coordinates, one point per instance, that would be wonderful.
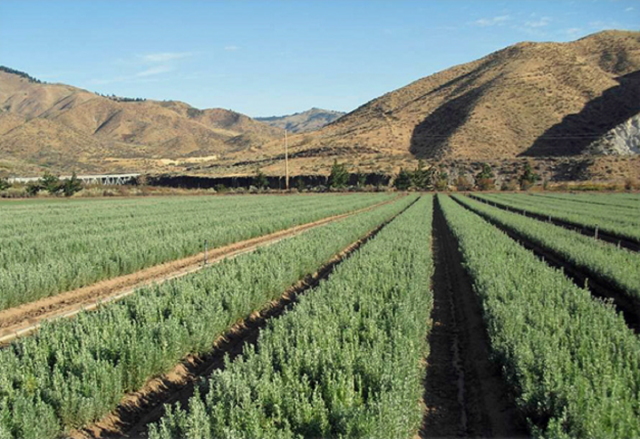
(227, 55)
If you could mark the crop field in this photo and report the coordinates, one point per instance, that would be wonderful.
(386, 316)
(50, 247)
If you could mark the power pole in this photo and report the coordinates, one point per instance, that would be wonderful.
(286, 160)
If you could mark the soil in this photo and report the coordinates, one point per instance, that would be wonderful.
(26, 318)
(599, 288)
(139, 409)
(465, 394)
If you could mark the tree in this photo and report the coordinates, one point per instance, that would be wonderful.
(4, 184)
(485, 179)
(50, 183)
(361, 179)
(442, 181)
(71, 185)
(339, 176)
(403, 180)
(33, 188)
(260, 180)
(420, 177)
(528, 177)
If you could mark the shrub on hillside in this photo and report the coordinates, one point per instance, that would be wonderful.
(463, 183)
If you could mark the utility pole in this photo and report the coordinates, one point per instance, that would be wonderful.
(286, 160)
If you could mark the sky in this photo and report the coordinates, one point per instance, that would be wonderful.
(266, 58)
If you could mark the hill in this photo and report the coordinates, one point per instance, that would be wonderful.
(527, 100)
(64, 127)
(542, 101)
(303, 122)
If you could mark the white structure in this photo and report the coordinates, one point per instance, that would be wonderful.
(106, 179)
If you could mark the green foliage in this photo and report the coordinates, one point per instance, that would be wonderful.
(619, 267)
(528, 177)
(260, 180)
(442, 181)
(47, 248)
(617, 220)
(33, 188)
(76, 371)
(420, 178)
(403, 180)
(570, 360)
(361, 179)
(486, 172)
(4, 184)
(71, 185)
(19, 73)
(485, 179)
(345, 362)
(51, 183)
(339, 176)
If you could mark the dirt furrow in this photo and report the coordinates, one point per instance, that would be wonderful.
(602, 235)
(599, 288)
(141, 408)
(24, 319)
(465, 394)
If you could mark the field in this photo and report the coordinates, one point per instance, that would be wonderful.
(337, 315)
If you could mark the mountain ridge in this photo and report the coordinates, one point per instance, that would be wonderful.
(303, 121)
(525, 100)
(528, 100)
(101, 126)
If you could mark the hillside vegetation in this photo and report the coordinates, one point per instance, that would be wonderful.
(64, 127)
(303, 122)
(548, 101)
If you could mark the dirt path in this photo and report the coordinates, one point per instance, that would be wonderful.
(465, 394)
(26, 318)
(602, 235)
(599, 288)
(141, 408)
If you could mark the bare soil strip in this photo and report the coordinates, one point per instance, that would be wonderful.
(629, 307)
(26, 318)
(141, 408)
(465, 394)
(612, 238)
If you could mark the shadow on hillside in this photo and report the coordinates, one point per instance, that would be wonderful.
(577, 131)
(430, 137)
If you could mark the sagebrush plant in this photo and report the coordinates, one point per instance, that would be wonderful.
(73, 372)
(345, 362)
(570, 360)
(620, 221)
(618, 266)
(629, 201)
(50, 247)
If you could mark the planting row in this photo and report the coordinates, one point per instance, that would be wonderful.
(74, 372)
(572, 363)
(620, 222)
(595, 212)
(50, 247)
(619, 267)
(345, 362)
(616, 200)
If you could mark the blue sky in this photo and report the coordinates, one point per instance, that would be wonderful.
(276, 57)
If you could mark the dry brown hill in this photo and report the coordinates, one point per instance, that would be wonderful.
(303, 122)
(530, 99)
(527, 100)
(65, 128)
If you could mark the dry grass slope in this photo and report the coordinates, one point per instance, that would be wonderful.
(530, 99)
(63, 128)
